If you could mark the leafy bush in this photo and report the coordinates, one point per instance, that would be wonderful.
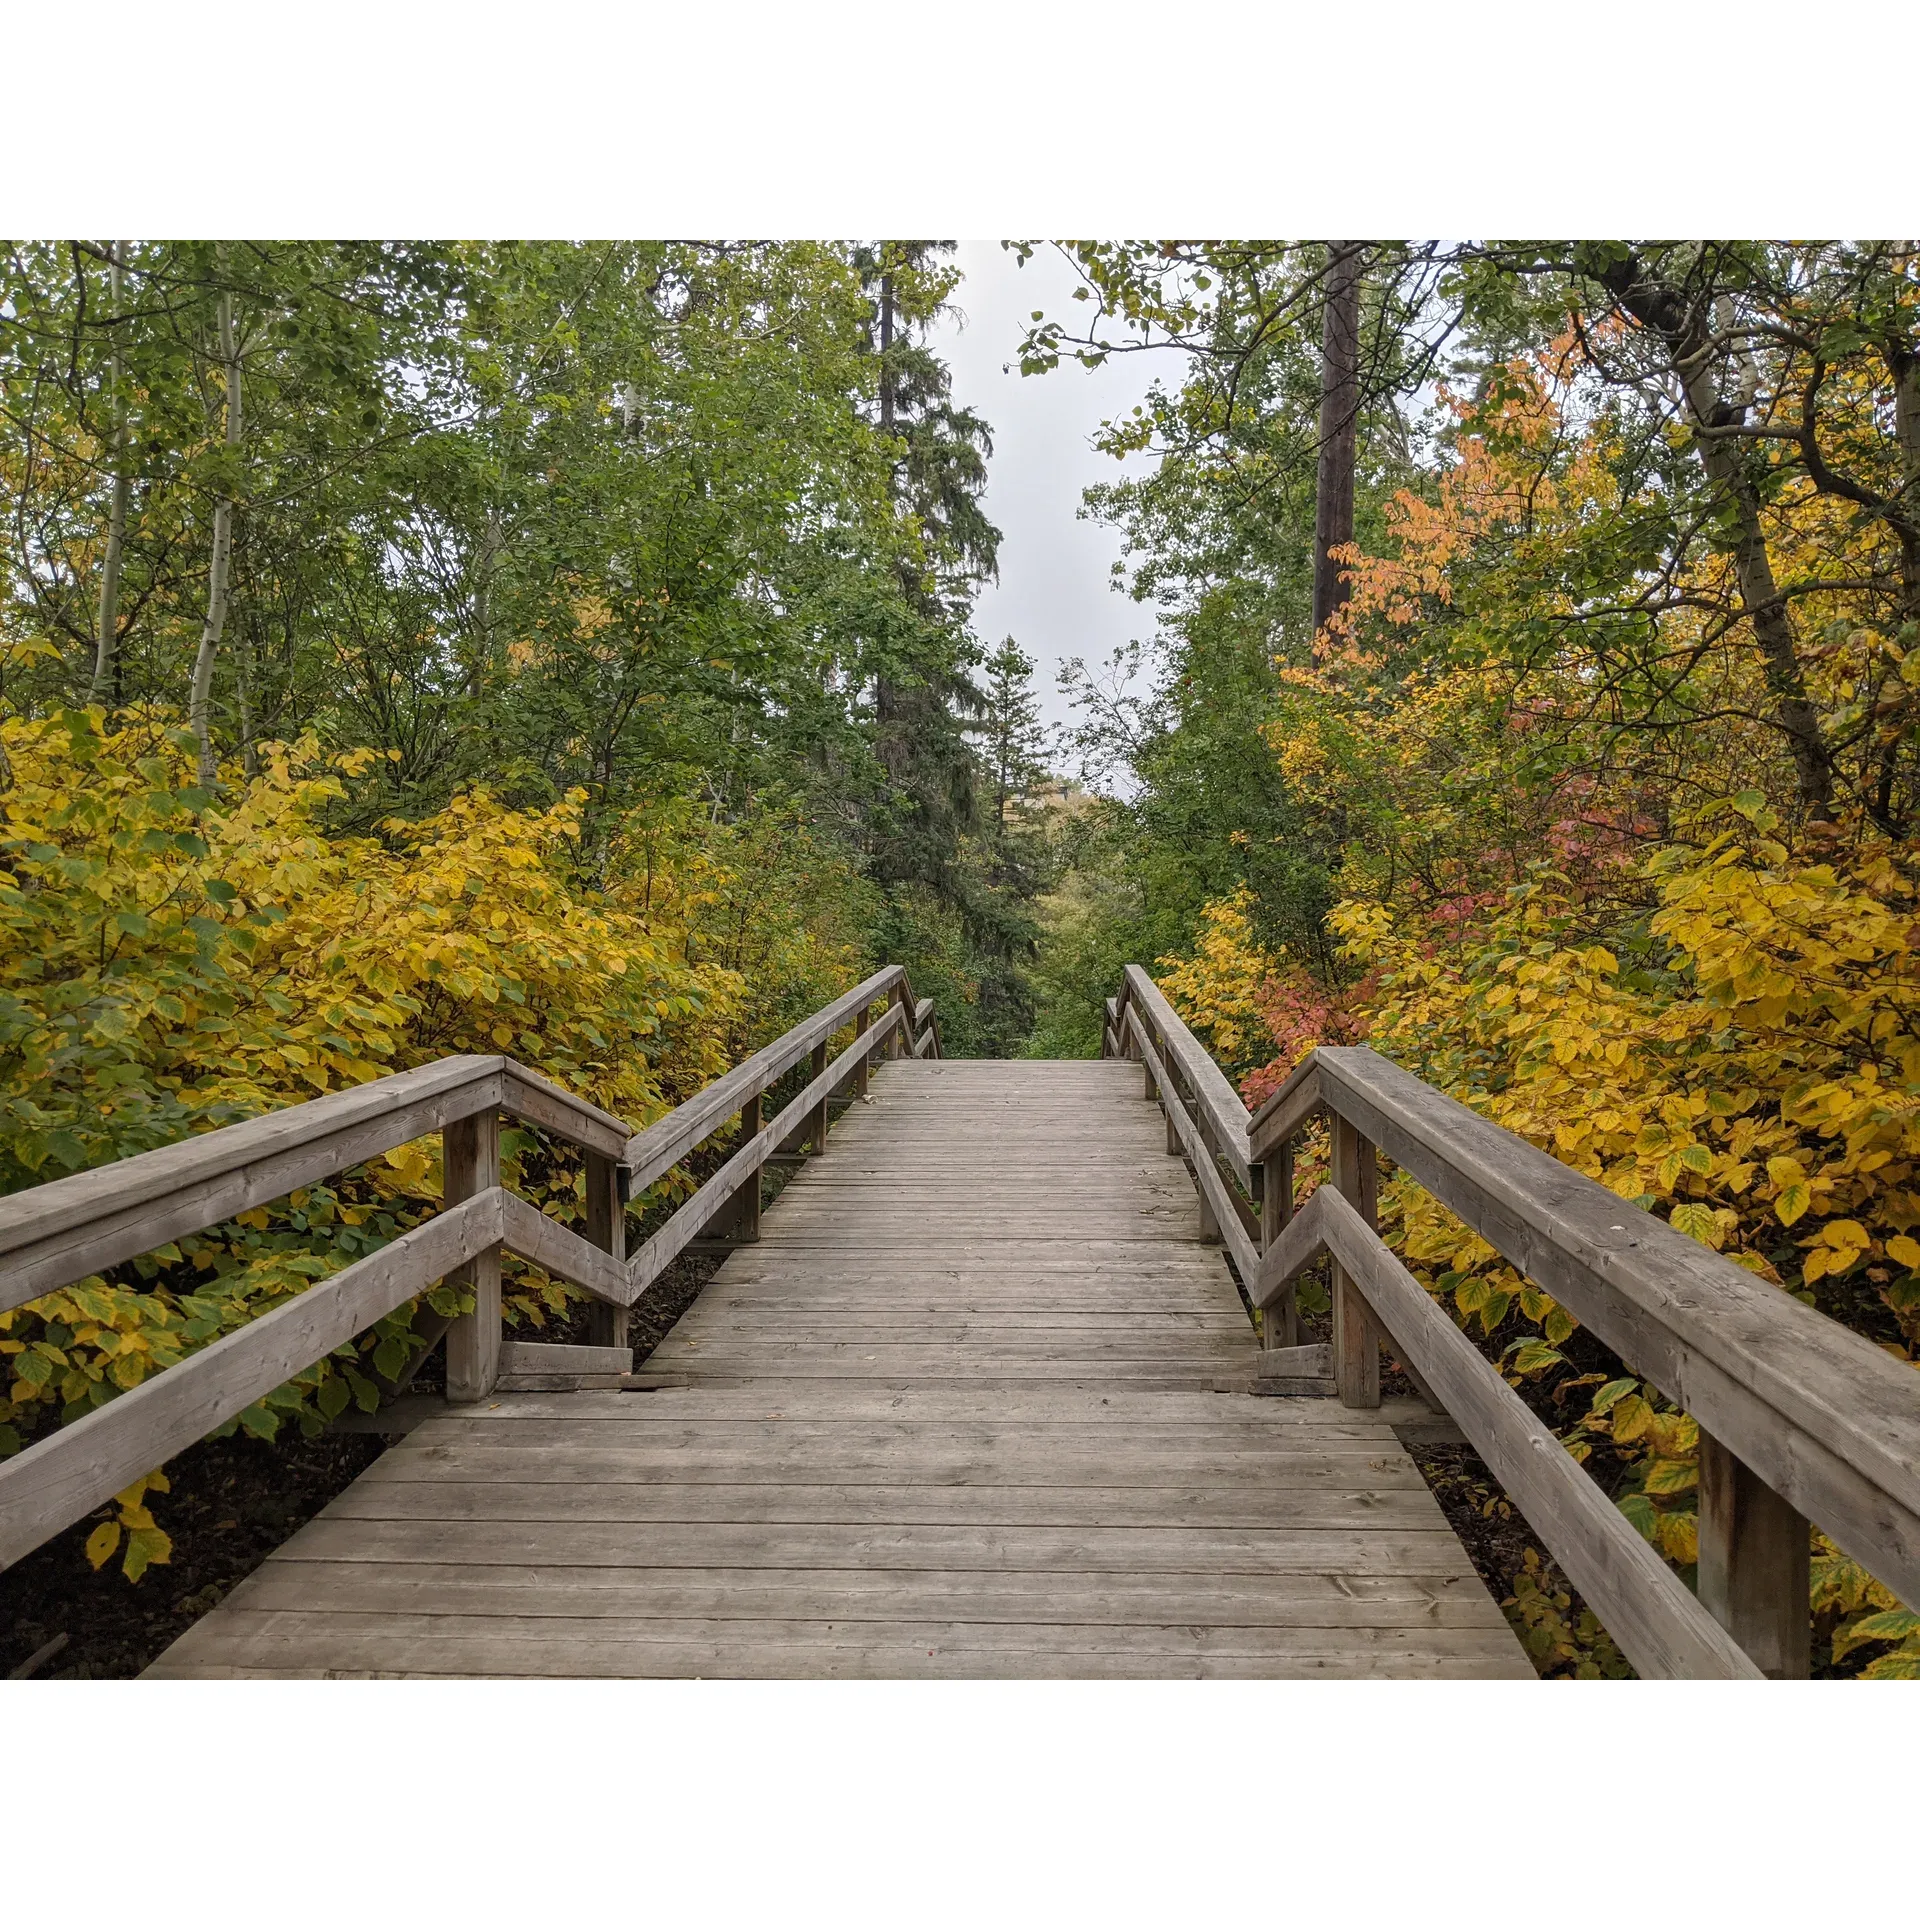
(177, 959)
(1745, 1065)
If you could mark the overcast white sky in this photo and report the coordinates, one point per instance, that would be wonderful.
(1055, 595)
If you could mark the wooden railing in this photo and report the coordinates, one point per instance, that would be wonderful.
(69, 1229)
(1801, 1420)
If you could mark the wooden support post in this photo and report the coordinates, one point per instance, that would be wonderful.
(817, 1129)
(470, 1159)
(746, 1207)
(1209, 1226)
(1280, 1317)
(607, 1230)
(1356, 1334)
(1755, 1564)
(861, 1022)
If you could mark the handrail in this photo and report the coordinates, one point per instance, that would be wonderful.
(1826, 1418)
(649, 1153)
(70, 1228)
(1659, 1625)
(1221, 1216)
(1809, 1420)
(1222, 1116)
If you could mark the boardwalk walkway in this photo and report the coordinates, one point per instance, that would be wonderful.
(974, 1405)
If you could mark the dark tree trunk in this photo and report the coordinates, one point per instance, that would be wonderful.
(1339, 420)
(886, 353)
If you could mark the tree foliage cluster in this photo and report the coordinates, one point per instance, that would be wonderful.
(1594, 804)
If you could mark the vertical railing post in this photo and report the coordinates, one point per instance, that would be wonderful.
(470, 1161)
(607, 1230)
(1356, 1334)
(818, 1122)
(1755, 1564)
(1209, 1224)
(861, 1021)
(746, 1208)
(1280, 1317)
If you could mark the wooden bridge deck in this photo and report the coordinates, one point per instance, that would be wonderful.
(974, 1405)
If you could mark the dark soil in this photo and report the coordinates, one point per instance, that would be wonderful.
(233, 1502)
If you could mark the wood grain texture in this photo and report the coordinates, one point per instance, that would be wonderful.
(975, 1404)
(57, 1480)
(1822, 1416)
(1658, 1624)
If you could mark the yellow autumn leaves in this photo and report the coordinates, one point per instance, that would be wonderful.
(172, 958)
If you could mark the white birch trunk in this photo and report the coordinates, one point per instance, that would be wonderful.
(200, 699)
(108, 632)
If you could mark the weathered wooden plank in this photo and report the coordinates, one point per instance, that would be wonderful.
(530, 1356)
(1089, 1409)
(367, 1651)
(1353, 1469)
(814, 1544)
(1658, 1624)
(1825, 1418)
(733, 1593)
(515, 1635)
(1281, 1510)
(70, 1228)
(57, 1480)
(1295, 1363)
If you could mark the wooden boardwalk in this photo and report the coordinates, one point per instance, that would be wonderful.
(974, 1405)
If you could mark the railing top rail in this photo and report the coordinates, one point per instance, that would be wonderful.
(62, 1231)
(160, 1170)
(55, 1234)
(656, 1148)
(1824, 1417)
(1223, 1115)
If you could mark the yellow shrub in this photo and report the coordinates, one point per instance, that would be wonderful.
(1751, 1074)
(175, 959)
